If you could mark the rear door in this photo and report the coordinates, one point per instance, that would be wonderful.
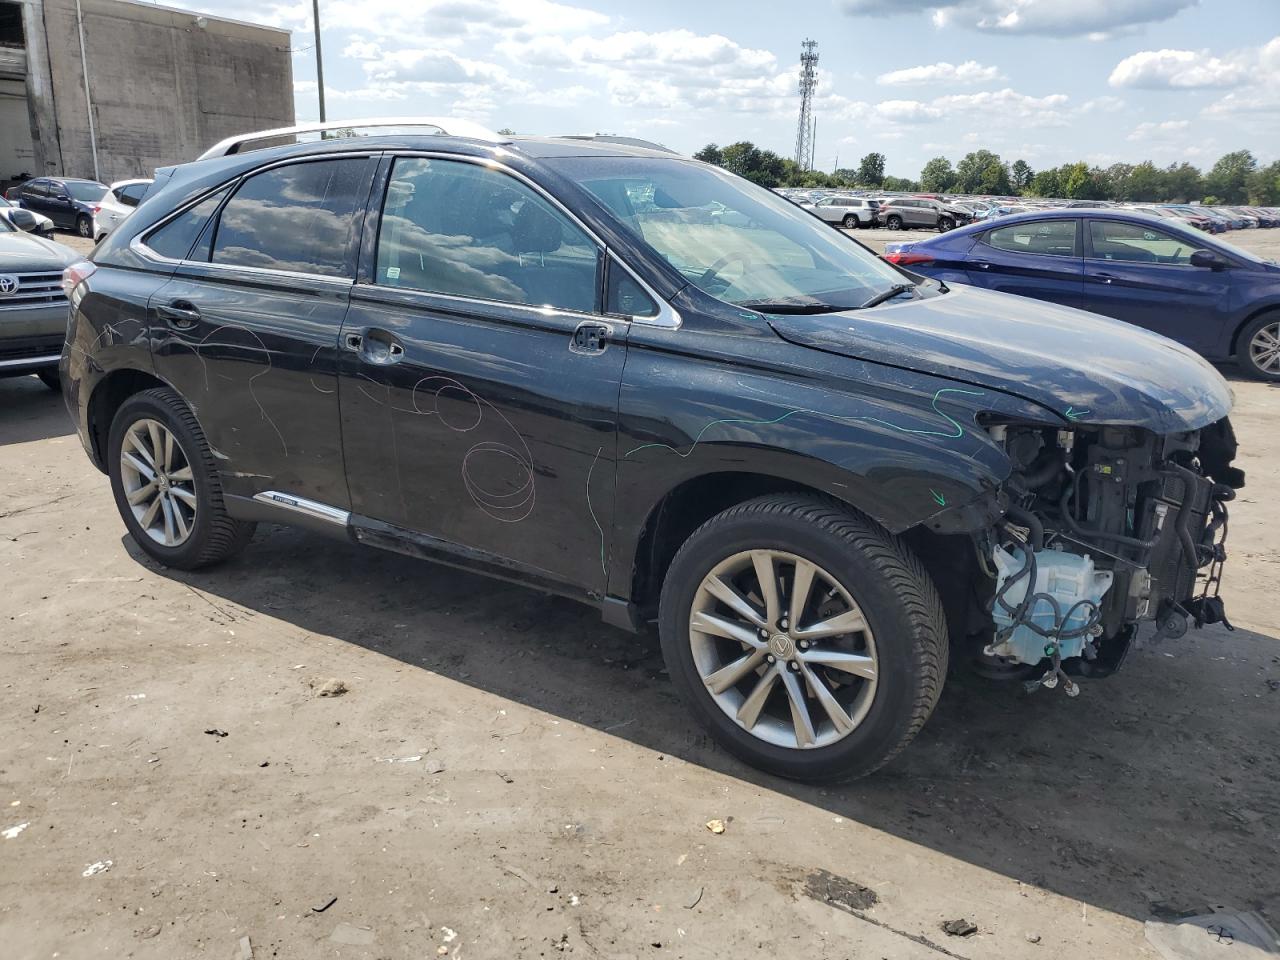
(247, 327)
(35, 196)
(1034, 258)
(1142, 274)
(480, 376)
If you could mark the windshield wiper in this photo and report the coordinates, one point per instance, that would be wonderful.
(791, 306)
(889, 294)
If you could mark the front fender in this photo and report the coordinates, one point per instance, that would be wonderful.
(900, 446)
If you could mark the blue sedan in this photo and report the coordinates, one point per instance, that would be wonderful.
(1221, 301)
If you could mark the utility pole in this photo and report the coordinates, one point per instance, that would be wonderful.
(315, 19)
(805, 128)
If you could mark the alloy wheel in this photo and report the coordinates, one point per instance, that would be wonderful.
(1264, 348)
(158, 482)
(783, 649)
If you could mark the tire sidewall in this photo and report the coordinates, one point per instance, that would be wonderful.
(889, 718)
(894, 223)
(850, 222)
(84, 226)
(147, 406)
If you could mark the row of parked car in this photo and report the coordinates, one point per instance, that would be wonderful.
(860, 209)
(86, 207)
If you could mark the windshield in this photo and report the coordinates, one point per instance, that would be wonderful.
(86, 191)
(732, 239)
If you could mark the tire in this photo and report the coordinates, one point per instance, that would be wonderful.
(945, 224)
(850, 222)
(50, 378)
(902, 636)
(1258, 347)
(84, 226)
(894, 222)
(212, 535)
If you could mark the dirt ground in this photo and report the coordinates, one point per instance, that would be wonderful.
(506, 777)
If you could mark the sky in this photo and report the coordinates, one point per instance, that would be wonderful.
(1047, 81)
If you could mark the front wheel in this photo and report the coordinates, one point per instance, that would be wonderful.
(806, 639)
(1259, 347)
(894, 223)
(84, 226)
(850, 222)
(166, 484)
(945, 224)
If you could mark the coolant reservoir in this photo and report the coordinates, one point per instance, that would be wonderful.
(1068, 578)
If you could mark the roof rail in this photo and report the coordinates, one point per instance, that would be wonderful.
(440, 126)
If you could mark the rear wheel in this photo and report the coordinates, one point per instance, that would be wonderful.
(850, 222)
(166, 486)
(894, 222)
(807, 640)
(1258, 347)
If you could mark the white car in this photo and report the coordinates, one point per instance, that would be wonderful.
(116, 204)
(43, 225)
(847, 212)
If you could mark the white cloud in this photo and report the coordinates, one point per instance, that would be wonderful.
(1178, 69)
(1145, 132)
(1010, 106)
(942, 72)
(1260, 98)
(451, 21)
(1060, 18)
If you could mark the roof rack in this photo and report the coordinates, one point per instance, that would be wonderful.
(439, 126)
(623, 141)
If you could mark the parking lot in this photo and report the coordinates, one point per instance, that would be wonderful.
(505, 776)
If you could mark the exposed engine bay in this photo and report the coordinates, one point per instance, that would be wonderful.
(1104, 527)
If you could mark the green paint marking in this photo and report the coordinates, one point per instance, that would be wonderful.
(954, 433)
(942, 501)
(1073, 414)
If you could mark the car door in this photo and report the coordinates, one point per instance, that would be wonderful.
(247, 327)
(1142, 274)
(58, 205)
(1033, 258)
(35, 196)
(480, 376)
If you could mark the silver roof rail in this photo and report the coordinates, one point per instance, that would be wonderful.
(440, 126)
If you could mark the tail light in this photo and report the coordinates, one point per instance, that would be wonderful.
(97, 208)
(75, 274)
(905, 258)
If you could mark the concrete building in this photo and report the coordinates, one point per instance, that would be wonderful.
(111, 89)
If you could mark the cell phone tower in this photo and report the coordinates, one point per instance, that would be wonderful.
(808, 80)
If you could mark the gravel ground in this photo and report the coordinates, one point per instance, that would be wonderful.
(506, 777)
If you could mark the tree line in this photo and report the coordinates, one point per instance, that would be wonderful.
(1236, 177)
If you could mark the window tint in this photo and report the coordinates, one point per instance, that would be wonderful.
(36, 188)
(296, 218)
(132, 194)
(1137, 243)
(626, 297)
(461, 229)
(175, 239)
(1055, 238)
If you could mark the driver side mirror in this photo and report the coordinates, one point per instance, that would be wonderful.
(1207, 258)
(24, 220)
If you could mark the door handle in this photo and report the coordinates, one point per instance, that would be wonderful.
(590, 337)
(375, 346)
(982, 265)
(1102, 277)
(180, 314)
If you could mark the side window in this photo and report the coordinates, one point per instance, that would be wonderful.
(175, 239)
(1055, 238)
(1137, 243)
(36, 188)
(626, 297)
(461, 229)
(131, 195)
(296, 218)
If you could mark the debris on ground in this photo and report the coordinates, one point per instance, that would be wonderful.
(102, 866)
(435, 765)
(1213, 935)
(506, 777)
(246, 949)
(839, 892)
(1033, 938)
(325, 907)
(11, 833)
(715, 826)
(215, 732)
(960, 928)
(149, 933)
(265, 763)
(414, 759)
(353, 935)
(1272, 684)
(333, 687)
(694, 900)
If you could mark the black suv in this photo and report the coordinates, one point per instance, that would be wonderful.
(821, 475)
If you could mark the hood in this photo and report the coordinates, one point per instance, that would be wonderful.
(25, 253)
(1085, 368)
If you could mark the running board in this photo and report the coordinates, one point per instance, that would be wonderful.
(309, 508)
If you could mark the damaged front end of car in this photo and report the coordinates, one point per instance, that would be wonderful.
(1103, 528)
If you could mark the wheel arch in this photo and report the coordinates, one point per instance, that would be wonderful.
(1248, 319)
(108, 395)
